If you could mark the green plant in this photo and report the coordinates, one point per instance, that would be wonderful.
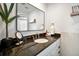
(5, 13)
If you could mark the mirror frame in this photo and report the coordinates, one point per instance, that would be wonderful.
(28, 20)
(17, 20)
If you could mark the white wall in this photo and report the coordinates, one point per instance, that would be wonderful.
(56, 13)
(60, 15)
(66, 25)
(39, 5)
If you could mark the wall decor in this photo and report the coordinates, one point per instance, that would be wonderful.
(75, 10)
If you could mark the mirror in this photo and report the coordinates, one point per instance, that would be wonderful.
(31, 18)
(18, 35)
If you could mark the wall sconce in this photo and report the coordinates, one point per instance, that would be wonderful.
(33, 21)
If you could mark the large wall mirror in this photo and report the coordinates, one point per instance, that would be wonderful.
(31, 18)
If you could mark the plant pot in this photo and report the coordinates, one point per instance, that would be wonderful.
(6, 43)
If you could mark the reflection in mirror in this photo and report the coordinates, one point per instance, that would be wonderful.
(31, 18)
(21, 22)
(36, 19)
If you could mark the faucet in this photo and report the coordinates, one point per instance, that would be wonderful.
(33, 37)
(38, 36)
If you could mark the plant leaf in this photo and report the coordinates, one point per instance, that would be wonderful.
(2, 11)
(12, 18)
(6, 10)
(2, 16)
(10, 8)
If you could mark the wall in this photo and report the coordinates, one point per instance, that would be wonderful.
(56, 13)
(66, 25)
(69, 44)
(60, 14)
(40, 6)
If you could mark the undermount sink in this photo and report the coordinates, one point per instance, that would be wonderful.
(42, 40)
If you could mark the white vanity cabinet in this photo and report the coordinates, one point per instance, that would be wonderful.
(52, 50)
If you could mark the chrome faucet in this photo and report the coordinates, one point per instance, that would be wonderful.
(33, 37)
(37, 35)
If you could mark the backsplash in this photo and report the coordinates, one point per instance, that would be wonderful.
(35, 36)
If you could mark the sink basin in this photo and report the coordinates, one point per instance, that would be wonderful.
(42, 40)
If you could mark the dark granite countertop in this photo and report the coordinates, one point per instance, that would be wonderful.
(32, 48)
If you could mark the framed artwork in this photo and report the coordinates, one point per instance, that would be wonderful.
(75, 10)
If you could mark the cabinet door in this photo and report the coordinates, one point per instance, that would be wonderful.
(52, 50)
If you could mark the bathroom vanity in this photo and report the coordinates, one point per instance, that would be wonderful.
(50, 48)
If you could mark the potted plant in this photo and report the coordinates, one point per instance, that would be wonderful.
(5, 13)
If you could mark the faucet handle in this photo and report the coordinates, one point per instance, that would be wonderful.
(33, 37)
(37, 36)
